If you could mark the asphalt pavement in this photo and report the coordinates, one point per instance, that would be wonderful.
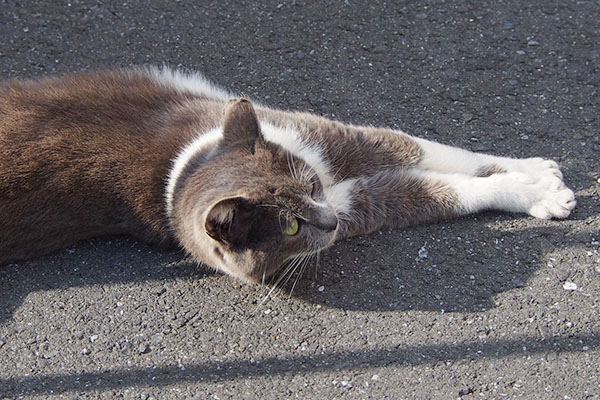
(492, 306)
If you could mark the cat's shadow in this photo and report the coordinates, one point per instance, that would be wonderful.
(458, 266)
(104, 261)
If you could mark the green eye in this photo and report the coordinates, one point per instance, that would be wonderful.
(292, 227)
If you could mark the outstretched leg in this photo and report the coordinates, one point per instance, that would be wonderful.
(448, 159)
(410, 196)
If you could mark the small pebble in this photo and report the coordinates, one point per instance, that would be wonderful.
(321, 288)
(423, 253)
(50, 354)
(533, 43)
(570, 286)
(143, 348)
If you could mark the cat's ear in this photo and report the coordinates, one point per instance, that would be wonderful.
(240, 127)
(229, 221)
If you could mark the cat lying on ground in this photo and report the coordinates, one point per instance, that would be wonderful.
(172, 159)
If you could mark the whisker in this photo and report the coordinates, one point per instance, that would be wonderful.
(289, 163)
(294, 167)
(302, 171)
(318, 259)
(287, 268)
(279, 219)
(297, 262)
(306, 260)
(301, 260)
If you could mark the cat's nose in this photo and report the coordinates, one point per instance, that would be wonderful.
(331, 227)
(328, 223)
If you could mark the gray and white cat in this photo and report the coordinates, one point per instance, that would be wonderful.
(171, 159)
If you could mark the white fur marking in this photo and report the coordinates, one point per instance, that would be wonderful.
(184, 156)
(449, 159)
(194, 83)
(340, 196)
(540, 193)
(289, 139)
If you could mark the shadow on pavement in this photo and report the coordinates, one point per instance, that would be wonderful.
(381, 272)
(450, 275)
(96, 262)
(241, 369)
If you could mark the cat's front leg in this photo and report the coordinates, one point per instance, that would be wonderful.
(410, 196)
(530, 185)
(539, 192)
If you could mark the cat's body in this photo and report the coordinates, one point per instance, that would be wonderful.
(167, 158)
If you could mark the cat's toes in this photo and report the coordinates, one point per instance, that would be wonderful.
(540, 166)
(552, 167)
(555, 204)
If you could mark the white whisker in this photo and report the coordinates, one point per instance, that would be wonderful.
(304, 263)
(318, 259)
(287, 269)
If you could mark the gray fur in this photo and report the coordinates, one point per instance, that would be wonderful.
(95, 154)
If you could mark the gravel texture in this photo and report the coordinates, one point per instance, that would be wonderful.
(489, 306)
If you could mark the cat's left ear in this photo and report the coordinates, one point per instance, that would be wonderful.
(229, 221)
(240, 127)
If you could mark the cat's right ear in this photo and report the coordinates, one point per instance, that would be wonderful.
(240, 127)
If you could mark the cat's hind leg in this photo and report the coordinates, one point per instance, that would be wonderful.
(448, 159)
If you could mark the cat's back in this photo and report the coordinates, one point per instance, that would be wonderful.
(55, 130)
(99, 116)
(87, 154)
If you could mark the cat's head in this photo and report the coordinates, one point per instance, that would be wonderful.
(251, 206)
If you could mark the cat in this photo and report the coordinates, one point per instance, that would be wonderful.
(174, 160)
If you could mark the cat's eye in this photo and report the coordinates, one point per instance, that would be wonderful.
(292, 227)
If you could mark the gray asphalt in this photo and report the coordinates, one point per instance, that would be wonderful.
(489, 306)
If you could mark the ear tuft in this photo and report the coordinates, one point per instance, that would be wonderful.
(240, 127)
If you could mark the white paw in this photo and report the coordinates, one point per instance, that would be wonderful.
(535, 166)
(541, 193)
(544, 192)
(555, 204)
